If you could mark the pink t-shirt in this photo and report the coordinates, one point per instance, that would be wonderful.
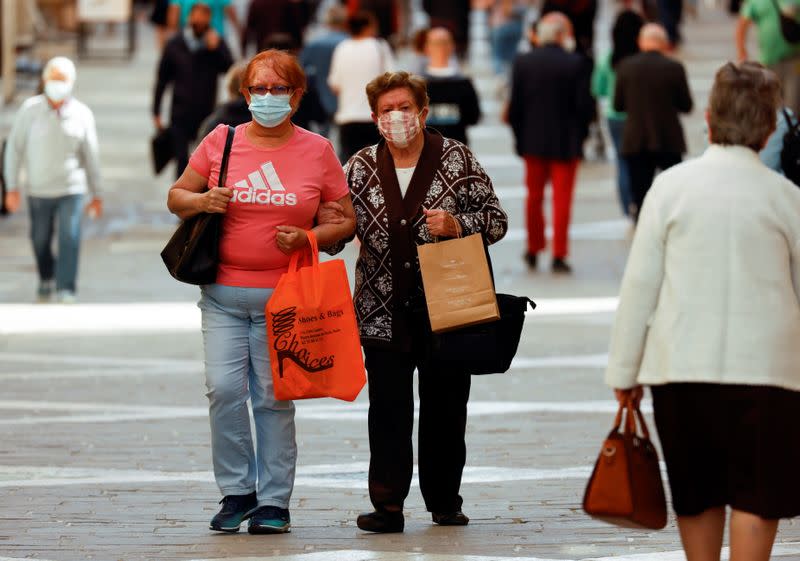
(272, 187)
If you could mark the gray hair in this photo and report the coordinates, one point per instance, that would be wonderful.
(64, 65)
(743, 103)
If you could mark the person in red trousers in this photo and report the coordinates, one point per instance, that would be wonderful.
(549, 111)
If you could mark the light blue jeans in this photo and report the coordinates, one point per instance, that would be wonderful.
(46, 213)
(238, 368)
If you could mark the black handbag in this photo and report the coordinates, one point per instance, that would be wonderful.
(192, 253)
(790, 27)
(161, 149)
(487, 348)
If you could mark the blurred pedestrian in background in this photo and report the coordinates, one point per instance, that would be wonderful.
(54, 139)
(709, 318)
(453, 15)
(386, 13)
(775, 51)
(278, 175)
(419, 60)
(268, 17)
(652, 89)
(431, 187)
(453, 102)
(234, 111)
(549, 112)
(624, 43)
(355, 62)
(506, 20)
(670, 14)
(316, 58)
(158, 17)
(191, 63)
(581, 14)
(178, 15)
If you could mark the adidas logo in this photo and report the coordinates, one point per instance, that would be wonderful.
(263, 187)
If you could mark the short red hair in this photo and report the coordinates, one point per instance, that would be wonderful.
(285, 65)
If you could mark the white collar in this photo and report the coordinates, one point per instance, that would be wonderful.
(733, 153)
(446, 72)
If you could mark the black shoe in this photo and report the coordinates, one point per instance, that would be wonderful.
(530, 259)
(269, 520)
(381, 521)
(235, 509)
(561, 266)
(456, 518)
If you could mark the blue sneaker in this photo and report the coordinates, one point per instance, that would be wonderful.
(269, 520)
(235, 509)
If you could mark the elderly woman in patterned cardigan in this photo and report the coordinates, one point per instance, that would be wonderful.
(411, 188)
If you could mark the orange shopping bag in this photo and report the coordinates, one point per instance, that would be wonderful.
(314, 345)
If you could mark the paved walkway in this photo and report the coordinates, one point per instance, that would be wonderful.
(104, 441)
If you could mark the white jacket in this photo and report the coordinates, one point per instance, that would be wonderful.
(711, 290)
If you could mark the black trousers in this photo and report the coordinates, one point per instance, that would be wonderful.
(443, 399)
(642, 168)
(355, 136)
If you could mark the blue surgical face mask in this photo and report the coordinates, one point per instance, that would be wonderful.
(270, 110)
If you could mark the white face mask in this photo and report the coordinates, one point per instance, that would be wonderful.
(57, 90)
(399, 127)
(568, 44)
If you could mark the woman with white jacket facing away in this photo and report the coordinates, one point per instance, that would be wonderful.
(709, 318)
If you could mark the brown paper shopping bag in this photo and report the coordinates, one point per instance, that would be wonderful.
(458, 285)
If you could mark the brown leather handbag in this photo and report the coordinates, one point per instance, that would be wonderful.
(626, 488)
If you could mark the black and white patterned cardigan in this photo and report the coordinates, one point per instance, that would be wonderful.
(390, 226)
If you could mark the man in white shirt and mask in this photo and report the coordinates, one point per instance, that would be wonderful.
(54, 138)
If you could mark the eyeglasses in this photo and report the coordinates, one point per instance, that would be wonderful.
(274, 90)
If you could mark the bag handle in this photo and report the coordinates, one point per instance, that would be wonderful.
(632, 415)
(313, 253)
(313, 250)
(459, 227)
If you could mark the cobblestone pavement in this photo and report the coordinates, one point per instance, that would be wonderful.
(104, 441)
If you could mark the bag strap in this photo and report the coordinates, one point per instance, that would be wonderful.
(781, 15)
(226, 154)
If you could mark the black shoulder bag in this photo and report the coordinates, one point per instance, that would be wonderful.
(486, 348)
(192, 253)
(790, 27)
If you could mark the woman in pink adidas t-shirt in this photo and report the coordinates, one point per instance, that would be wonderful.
(278, 176)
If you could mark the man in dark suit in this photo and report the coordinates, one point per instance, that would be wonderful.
(192, 61)
(549, 112)
(653, 90)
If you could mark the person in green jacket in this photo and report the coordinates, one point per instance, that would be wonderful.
(624, 36)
